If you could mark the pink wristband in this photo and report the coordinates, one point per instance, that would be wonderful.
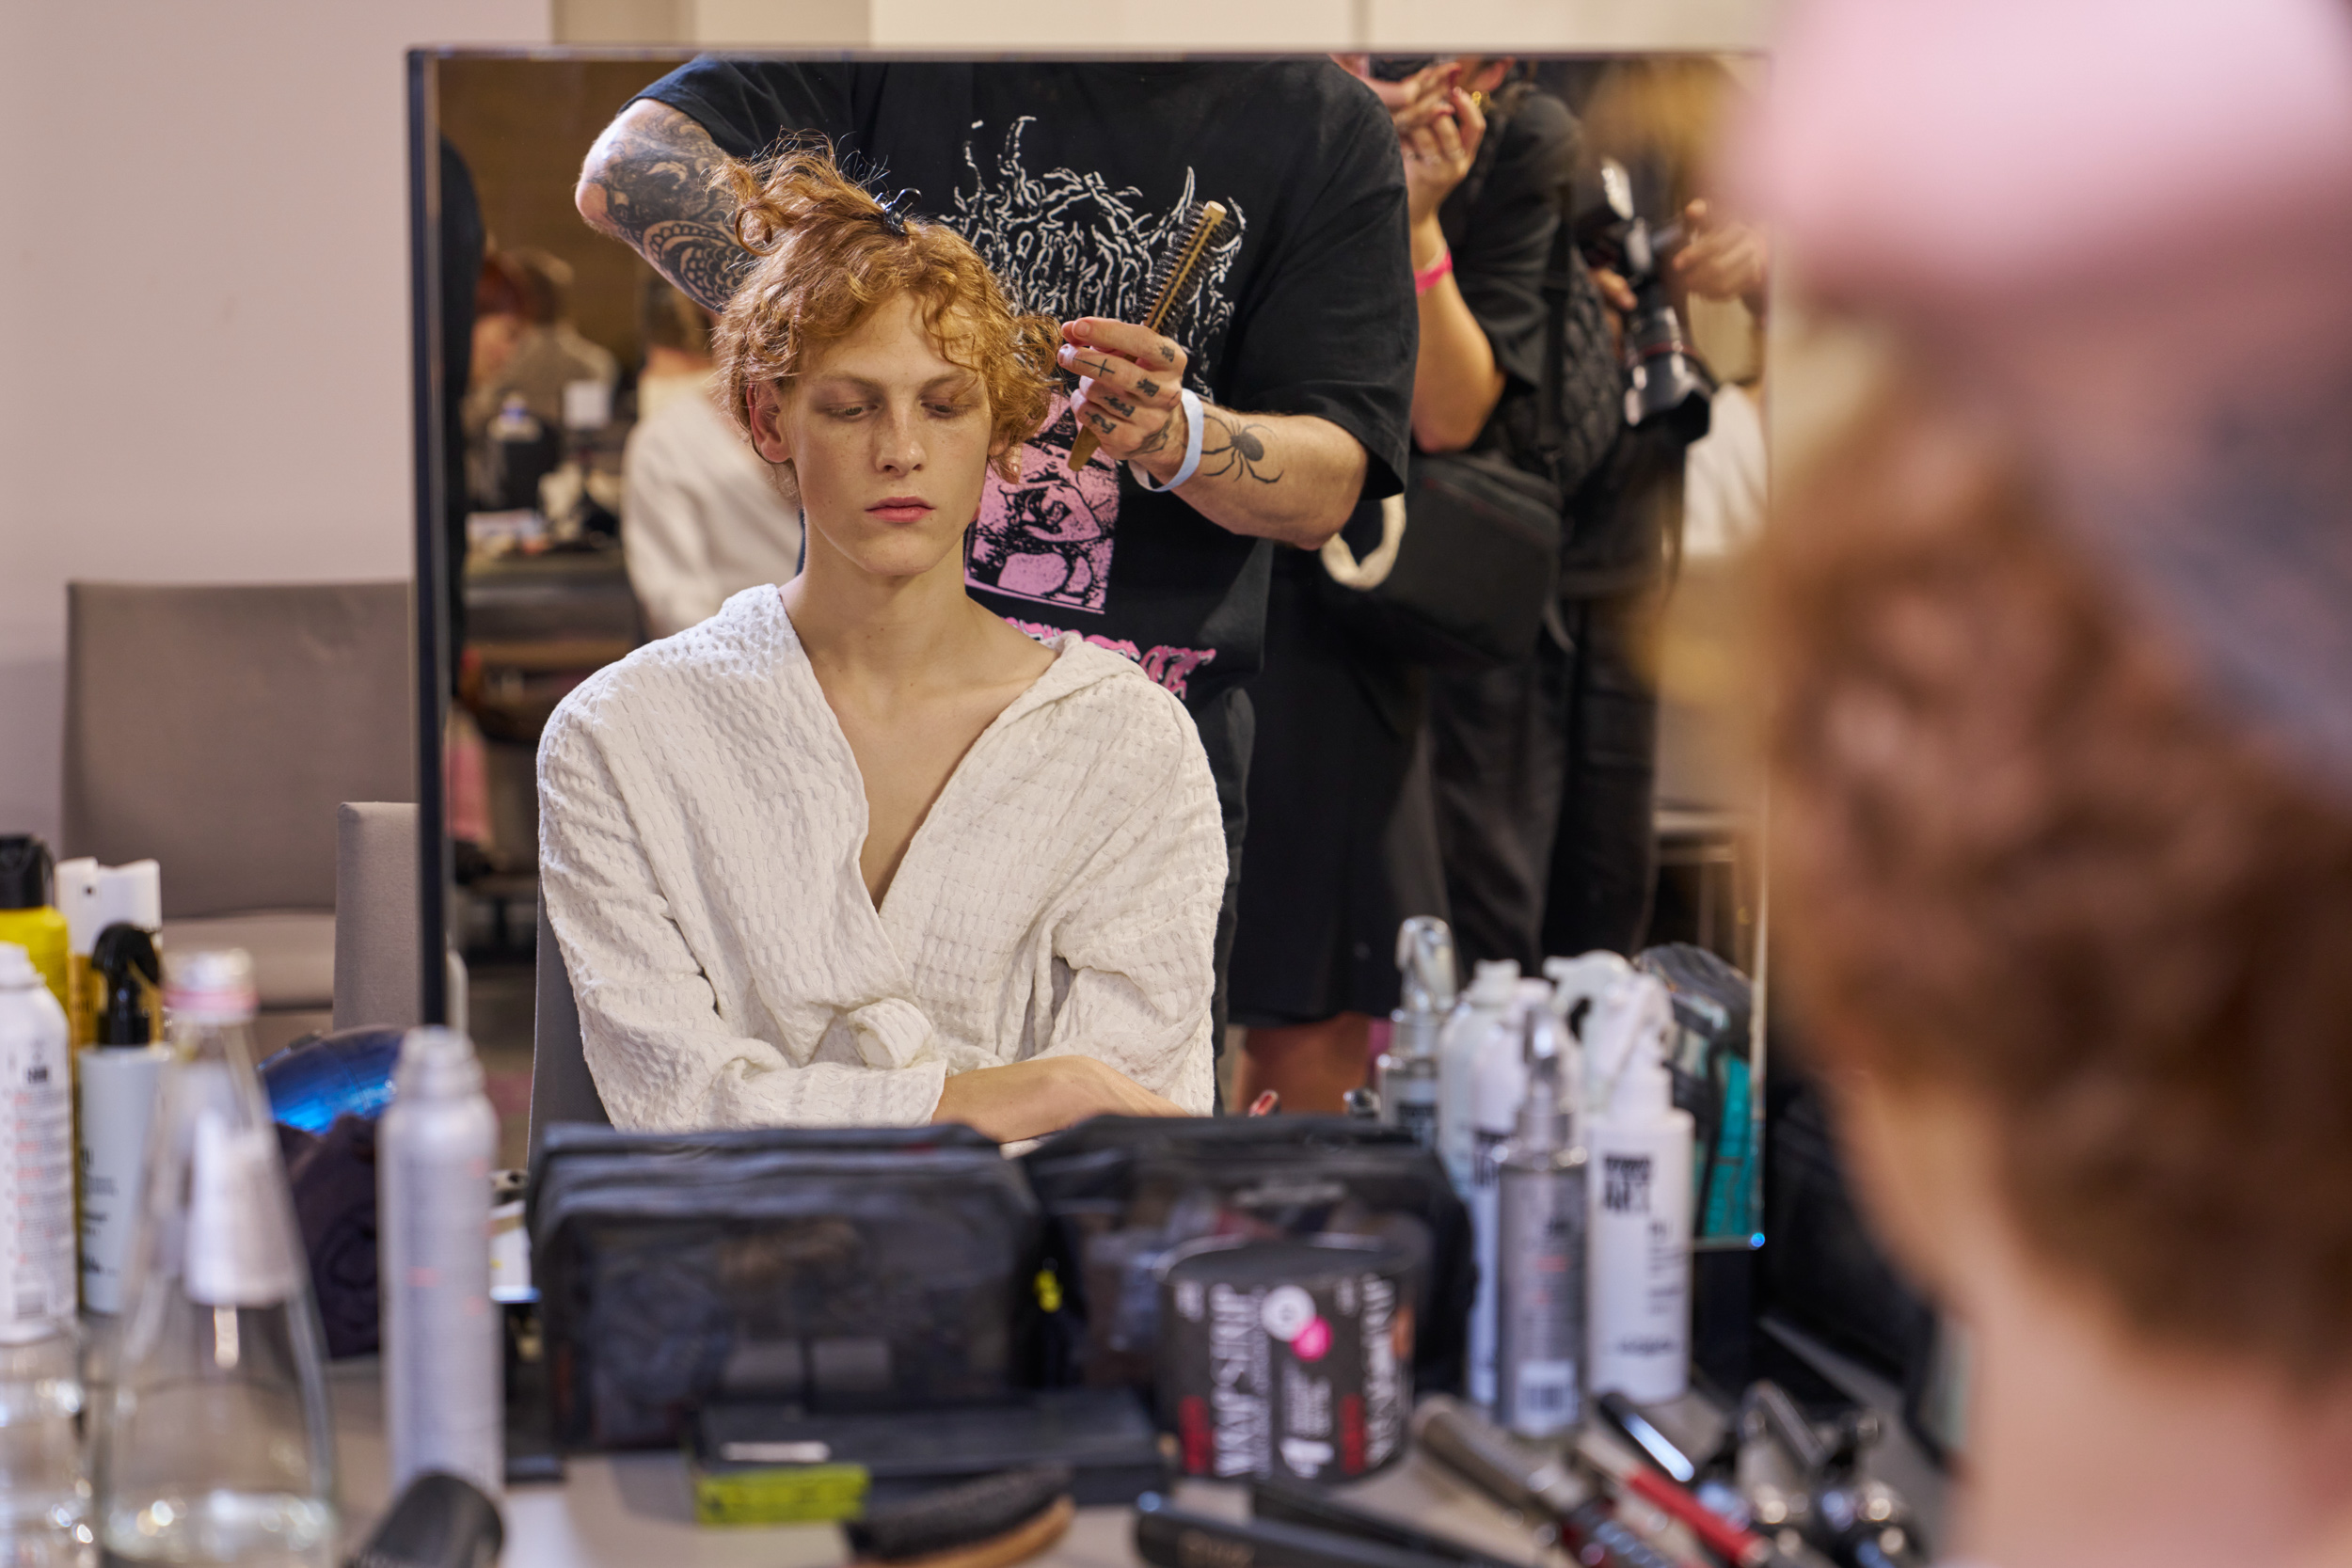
(1426, 280)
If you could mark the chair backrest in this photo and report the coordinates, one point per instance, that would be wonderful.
(268, 706)
(380, 968)
(561, 1088)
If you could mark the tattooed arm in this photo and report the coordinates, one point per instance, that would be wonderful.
(1292, 477)
(647, 182)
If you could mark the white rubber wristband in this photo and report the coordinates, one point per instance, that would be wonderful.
(1191, 403)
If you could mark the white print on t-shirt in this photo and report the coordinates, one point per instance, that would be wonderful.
(1068, 245)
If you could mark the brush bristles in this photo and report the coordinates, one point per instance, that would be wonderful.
(1178, 276)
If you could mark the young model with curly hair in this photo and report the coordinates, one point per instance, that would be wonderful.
(855, 851)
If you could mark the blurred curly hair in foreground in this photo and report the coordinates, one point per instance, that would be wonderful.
(2022, 858)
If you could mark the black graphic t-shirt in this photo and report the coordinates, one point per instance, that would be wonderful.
(1073, 181)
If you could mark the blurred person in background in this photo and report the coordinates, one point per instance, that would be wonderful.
(1342, 841)
(2060, 739)
(531, 346)
(676, 334)
(702, 516)
(1545, 768)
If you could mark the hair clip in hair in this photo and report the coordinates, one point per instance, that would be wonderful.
(893, 210)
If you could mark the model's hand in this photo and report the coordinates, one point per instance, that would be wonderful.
(1128, 378)
(1029, 1099)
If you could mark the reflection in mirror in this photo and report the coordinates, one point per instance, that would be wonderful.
(1464, 492)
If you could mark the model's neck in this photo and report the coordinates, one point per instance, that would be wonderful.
(884, 630)
(2088, 1450)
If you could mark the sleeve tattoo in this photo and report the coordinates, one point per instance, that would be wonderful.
(659, 197)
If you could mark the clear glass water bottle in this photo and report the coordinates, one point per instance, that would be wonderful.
(213, 1442)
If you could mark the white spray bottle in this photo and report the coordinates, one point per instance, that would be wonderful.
(1639, 1151)
(1480, 1009)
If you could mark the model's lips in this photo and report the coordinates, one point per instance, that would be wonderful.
(901, 509)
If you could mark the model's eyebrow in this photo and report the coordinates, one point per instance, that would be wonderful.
(953, 381)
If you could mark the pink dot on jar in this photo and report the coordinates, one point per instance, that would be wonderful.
(1313, 1340)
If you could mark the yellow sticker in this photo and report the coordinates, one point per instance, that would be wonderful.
(785, 1494)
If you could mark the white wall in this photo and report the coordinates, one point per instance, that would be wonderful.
(203, 309)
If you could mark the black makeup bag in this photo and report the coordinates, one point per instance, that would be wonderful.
(1120, 1193)
(829, 1271)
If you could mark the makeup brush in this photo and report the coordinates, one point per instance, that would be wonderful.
(1209, 227)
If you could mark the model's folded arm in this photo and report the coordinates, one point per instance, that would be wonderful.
(663, 1058)
(1140, 934)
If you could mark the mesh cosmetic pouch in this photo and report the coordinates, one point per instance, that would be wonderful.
(831, 1271)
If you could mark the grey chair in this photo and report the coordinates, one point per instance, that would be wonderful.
(218, 729)
(561, 1088)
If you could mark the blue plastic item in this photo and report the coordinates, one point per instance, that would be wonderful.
(313, 1080)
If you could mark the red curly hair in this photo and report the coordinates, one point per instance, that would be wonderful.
(828, 253)
(2022, 855)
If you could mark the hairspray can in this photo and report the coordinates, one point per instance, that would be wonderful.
(443, 1364)
(1497, 1087)
(1539, 1309)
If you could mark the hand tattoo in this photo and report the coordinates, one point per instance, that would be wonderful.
(1236, 447)
(1100, 424)
(1159, 438)
(1168, 354)
(1126, 409)
(1147, 386)
(655, 173)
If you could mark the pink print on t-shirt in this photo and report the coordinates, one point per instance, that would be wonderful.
(1169, 667)
(1047, 536)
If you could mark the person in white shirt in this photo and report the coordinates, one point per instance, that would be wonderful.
(854, 850)
(702, 516)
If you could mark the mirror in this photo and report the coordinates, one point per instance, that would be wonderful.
(581, 493)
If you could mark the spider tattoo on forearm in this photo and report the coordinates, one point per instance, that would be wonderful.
(1236, 447)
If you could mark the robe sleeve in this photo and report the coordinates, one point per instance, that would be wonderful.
(663, 1058)
(1138, 930)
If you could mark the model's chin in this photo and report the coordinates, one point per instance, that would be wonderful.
(902, 550)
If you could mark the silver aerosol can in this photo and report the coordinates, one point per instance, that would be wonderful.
(443, 1363)
(1409, 1068)
(1539, 1318)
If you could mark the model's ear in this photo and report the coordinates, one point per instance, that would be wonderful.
(765, 404)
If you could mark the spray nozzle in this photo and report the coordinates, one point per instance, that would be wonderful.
(1424, 956)
(1629, 1042)
(1578, 984)
(125, 955)
(1543, 1118)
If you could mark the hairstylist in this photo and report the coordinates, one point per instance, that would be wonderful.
(854, 850)
(1072, 181)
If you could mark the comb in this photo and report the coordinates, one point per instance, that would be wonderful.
(1178, 285)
